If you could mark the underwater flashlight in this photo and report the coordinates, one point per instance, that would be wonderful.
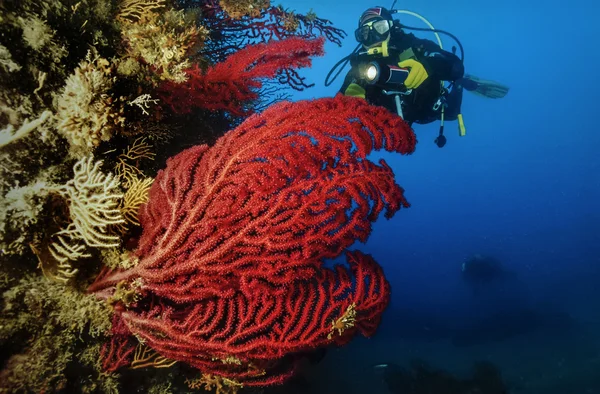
(372, 73)
(376, 73)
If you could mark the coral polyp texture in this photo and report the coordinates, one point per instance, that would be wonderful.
(165, 211)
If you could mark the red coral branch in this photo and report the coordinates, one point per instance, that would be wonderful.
(261, 329)
(234, 237)
(229, 34)
(234, 83)
(119, 350)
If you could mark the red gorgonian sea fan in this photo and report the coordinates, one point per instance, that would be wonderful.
(230, 34)
(232, 84)
(235, 235)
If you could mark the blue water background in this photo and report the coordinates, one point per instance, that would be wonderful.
(523, 185)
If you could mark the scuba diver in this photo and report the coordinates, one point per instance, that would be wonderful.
(406, 74)
(482, 271)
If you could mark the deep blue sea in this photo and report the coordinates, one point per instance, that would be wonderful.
(522, 186)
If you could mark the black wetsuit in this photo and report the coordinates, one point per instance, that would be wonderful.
(418, 106)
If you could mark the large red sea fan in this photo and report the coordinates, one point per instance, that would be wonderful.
(289, 185)
(234, 238)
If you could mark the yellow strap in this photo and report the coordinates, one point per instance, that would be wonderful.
(382, 50)
(462, 130)
(355, 90)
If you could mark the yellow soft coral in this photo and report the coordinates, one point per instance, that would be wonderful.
(221, 384)
(86, 111)
(127, 161)
(346, 321)
(136, 10)
(164, 42)
(134, 182)
(240, 8)
(135, 196)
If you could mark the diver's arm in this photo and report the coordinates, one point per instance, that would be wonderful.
(440, 64)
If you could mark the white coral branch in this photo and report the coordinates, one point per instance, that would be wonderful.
(143, 102)
(6, 61)
(135, 10)
(7, 135)
(64, 250)
(93, 199)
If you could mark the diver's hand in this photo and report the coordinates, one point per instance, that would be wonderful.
(417, 74)
(355, 90)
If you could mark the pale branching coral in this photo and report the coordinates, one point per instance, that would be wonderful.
(20, 210)
(209, 382)
(6, 61)
(8, 134)
(55, 261)
(241, 8)
(164, 42)
(87, 113)
(27, 147)
(143, 102)
(54, 318)
(93, 199)
(40, 77)
(136, 10)
(25, 204)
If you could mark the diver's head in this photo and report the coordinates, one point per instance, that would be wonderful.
(374, 27)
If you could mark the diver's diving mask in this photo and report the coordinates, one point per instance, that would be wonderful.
(372, 33)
